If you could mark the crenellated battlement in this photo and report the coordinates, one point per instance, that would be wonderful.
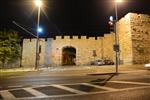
(67, 38)
(77, 37)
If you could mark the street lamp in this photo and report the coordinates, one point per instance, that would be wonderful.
(38, 4)
(116, 46)
(116, 8)
(40, 30)
(118, 1)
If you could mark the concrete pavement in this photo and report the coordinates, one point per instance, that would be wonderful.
(84, 70)
(79, 70)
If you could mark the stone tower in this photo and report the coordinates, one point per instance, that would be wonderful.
(134, 38)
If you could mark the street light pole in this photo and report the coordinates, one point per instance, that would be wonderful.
(116, 40)
(117, 48)
(38, 3)
(116, 10)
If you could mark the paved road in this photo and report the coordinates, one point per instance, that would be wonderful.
(41, 85)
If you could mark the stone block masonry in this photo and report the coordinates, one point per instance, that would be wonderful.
(87, 49)
(134, 38)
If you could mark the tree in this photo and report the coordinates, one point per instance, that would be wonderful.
(9, 47)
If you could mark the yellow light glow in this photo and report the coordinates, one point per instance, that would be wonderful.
(118, 1)
(38, 3)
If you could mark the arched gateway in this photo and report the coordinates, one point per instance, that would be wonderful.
(69, 56)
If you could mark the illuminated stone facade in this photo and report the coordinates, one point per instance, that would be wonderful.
(87, 49)
(134, 39)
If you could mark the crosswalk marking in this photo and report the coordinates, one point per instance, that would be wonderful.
(35, 92)
(69, 89)
(7, 95)
(126, 82)
(133, 88)
(100, 87)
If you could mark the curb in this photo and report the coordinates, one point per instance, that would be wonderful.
(18, 70)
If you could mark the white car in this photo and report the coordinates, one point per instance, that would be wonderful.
(147, 66)
(98, 62)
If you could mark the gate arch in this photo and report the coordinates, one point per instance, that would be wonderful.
(68, 56)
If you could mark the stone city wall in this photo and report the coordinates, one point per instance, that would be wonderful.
(125, 42)
(108, 42)
(133, 34)
(29, 52)
(51, 49)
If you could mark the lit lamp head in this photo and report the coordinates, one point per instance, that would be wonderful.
(39, 30)
(118, 1)
(111, 18)
(38, 3)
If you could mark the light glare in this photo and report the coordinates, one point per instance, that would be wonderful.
(38, 3)
(40, 30)
(111, 18)
(118, 1)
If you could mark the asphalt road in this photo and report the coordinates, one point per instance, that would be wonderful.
(45, 78)
(48, 86)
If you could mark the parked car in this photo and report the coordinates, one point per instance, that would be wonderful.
(147, 66)
(98, 62)
(108, 62)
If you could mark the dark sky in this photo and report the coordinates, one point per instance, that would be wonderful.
(66, 17)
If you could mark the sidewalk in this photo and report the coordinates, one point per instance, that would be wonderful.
(84, 70)
(21, 69)
(75, 70)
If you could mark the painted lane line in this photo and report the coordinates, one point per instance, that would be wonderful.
(100, 87)
(7, 95)
(126, 82)
(35, 92)
(132, 71)
(50, 97)
(139, 83)
(69, 89)
(134, 88)
(15, 86)
(93, 93)
(35, 86)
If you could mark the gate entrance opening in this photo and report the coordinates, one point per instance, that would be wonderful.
(69, 56)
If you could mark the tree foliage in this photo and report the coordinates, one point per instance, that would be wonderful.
(9, 46)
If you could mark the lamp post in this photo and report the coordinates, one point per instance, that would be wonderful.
(38, 4)
(116, 46)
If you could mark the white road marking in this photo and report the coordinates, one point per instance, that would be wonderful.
(131, 71)
(126, 82)
(52, 97)
(100, 87)
(34, 86)
(70, 95)
(35, 92)
(7, 95)
(134, 88)
(69, 89)
(15, 86)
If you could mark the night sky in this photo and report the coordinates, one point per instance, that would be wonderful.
(66, 17)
